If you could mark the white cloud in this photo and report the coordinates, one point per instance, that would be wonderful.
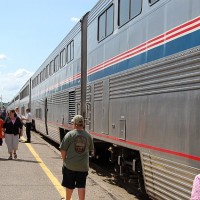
(3, 57)
(11, 83)
(22, 73)
(74, 19)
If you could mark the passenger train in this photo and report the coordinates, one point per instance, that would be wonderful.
(132, 69)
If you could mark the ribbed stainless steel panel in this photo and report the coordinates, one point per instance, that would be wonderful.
(98, 91)
(166, 179)
(59, 98)
(72, 107)
(168, 75)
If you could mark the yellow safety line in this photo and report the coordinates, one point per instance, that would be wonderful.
(53, 179)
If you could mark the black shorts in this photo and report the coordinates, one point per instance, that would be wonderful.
(1, 141)
(72, 179)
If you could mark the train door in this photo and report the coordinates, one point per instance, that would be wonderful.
(101, 107)
(88, 117)
(45, 114)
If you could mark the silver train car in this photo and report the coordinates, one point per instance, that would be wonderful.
(132, 69)
(22, 99)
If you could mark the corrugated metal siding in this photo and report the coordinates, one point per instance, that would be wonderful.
(168, 75)
(59, 98)
(72, 107)
(98, 91)
(166, 179)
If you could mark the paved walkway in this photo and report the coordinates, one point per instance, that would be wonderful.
(27, 177)
(36, 175)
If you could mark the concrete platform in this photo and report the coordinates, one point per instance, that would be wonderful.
(36, 174)
(24, 177)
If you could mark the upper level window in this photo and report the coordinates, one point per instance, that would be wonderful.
(38, 79)
(33, 83)
(25, 92)
(17, 97)
(62, 58)
(151, 2)
(56, 63)
(106, 23)
(41, 77)
(43, 74)
(47, 71)
(36, 82)
(51, 68)
(128, 9)
(70, 51)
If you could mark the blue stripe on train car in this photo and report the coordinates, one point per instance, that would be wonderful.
(164, 50)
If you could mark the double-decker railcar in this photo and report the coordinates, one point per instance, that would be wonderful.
(53, 96)
(22, 99)
(143, 77)
(131, 68)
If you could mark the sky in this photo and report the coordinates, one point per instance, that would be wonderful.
(29, 31)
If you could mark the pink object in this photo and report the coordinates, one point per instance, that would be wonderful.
(196, 188)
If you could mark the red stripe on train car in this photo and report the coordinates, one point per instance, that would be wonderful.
(167, 151)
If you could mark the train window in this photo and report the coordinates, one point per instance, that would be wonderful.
(56, 63)
(62, 58)
(47, 71)
(136, 8)
(33, 84)
(151, 2)
(102, 27)
(128, 9)
(123, 11)
(41, 77)
(106, 23)
(51, 68)
(25, 92)
(70, 51)
(38, 79)
(43, 74)
(17, 97)
(110, 21)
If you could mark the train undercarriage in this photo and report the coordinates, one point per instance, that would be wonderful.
(124, 163)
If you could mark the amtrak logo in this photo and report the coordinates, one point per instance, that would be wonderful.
(80, 144)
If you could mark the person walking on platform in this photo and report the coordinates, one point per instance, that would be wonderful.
(28, 120)
(12, 128)
(75, 148)
(3, 115)
(18, 115)
(1, 131)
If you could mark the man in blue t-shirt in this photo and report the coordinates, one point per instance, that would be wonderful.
(75, 148)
